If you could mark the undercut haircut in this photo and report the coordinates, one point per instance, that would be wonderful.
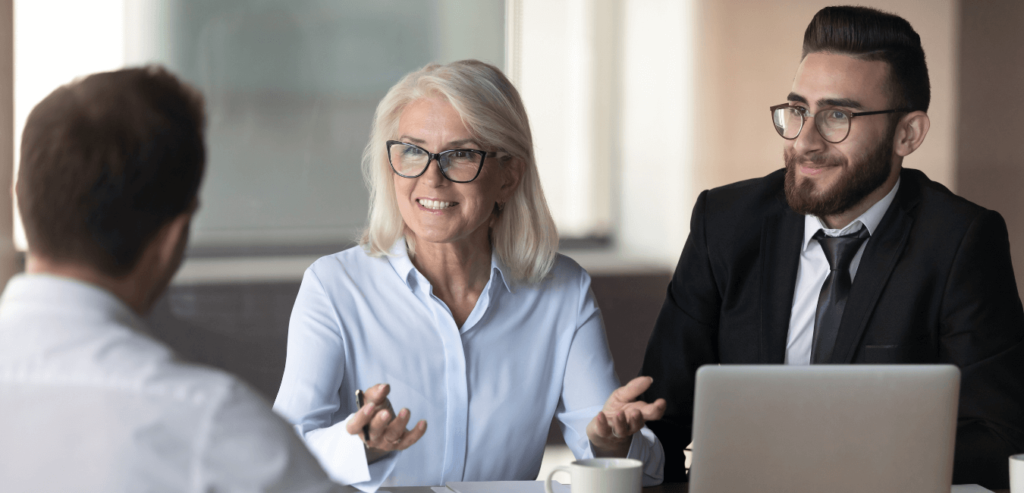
(869, 34)
(106, 161)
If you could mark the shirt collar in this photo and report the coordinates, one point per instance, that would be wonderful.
(64, 293)
(400, 261)
(869, 219)
(497, 266)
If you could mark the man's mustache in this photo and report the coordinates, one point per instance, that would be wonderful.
(814, 159)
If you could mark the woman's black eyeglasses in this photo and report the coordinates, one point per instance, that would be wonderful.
(457, 165)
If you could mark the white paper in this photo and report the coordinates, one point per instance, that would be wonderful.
(504, 487)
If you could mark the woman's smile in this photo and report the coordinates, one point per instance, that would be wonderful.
(435, 205)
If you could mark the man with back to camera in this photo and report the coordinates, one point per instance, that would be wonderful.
(920, 274)
(110, 169)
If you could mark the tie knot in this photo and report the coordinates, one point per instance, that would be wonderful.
(839, 250)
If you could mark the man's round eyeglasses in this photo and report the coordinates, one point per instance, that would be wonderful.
(457, 165)
(833, 124)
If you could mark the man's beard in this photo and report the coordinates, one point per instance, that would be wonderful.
(853, 184)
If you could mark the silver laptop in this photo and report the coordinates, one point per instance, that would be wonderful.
(835, 428)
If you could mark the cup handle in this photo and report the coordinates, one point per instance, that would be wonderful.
(547, 482)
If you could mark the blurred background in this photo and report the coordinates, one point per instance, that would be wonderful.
(635, 105)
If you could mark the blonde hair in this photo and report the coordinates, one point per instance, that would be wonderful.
(523, 235)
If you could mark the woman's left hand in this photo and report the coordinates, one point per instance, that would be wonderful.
(611, 431)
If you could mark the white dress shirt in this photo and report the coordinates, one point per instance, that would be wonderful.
(88, 403)
(812, 271)
(525, 354)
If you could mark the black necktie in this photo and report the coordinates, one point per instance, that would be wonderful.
(839, 251)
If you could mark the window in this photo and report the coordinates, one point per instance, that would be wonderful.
(609, 87)
(290, 87)
(564, 63)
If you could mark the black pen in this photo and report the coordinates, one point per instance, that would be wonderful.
(361, 399)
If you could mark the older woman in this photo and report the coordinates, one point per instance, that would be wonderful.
(457, 306)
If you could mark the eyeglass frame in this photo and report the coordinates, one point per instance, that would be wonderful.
(804, 114)
(437, 156)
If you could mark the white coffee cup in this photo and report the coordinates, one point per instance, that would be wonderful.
(1017, 473)
(602, 476)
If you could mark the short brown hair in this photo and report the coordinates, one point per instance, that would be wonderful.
(106, 161)
(870, 34)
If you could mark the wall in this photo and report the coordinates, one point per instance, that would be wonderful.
(990, 162)
(9, 263)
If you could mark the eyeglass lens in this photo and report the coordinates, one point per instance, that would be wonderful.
(457, 165)
(833, 125)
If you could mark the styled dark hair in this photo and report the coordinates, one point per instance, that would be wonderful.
(106, 161)
(870, 34)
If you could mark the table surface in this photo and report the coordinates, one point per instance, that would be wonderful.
(664, 488)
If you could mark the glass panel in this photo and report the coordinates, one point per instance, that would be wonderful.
(291, 86)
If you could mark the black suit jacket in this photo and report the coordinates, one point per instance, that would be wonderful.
(935, 285)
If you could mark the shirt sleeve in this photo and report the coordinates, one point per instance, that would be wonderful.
(588, 382)
(309, 395)
(343, 457)
(247, 447)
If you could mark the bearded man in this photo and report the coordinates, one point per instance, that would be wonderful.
(846, 257)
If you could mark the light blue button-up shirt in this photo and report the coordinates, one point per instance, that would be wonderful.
(526, 353)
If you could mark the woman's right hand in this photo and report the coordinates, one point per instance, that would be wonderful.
(387, 431)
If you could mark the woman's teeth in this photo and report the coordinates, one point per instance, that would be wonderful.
(435, 204)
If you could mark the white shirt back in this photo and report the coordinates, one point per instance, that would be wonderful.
(90, 403)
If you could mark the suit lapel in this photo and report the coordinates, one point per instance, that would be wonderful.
(781, 236)
(876, 265)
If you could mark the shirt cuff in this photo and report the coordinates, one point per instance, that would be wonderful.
(343, 457)
(646, 448)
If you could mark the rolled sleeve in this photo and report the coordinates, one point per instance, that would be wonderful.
(309, 394)
(646, 448)
(343, 456)
(589, 380)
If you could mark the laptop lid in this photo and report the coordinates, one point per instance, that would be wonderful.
(836, 428)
